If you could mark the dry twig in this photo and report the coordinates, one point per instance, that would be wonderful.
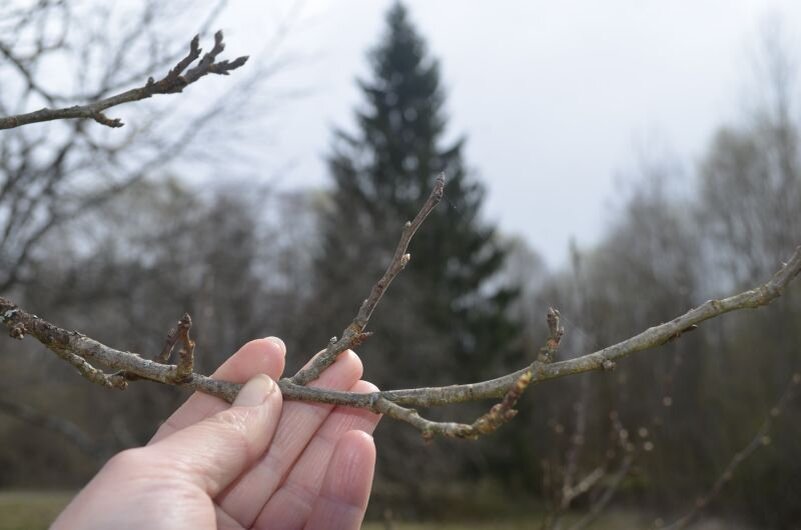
(354, 334)
(175, 81)
(760, 439)
(84, 353)
(63, 427)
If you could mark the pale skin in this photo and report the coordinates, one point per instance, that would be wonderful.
(259, 463)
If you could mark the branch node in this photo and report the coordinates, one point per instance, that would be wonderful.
(399, 260)
(186, 357)
(17, 331)
(102, 119)
(359, 339)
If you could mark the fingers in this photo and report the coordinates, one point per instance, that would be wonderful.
(245, 499)
(216, 450)
(291, 505)
(346, 488)
(262, 356)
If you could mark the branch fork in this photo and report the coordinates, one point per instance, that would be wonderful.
(174, 82)
(85, 353)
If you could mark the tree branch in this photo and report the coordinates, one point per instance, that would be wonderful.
(175, 81)
(55, 424)
(354, 334)
(85, 353)
(760, 439)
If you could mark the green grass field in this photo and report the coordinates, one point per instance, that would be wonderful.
(613, 521)
(34, 510)
(31, 510)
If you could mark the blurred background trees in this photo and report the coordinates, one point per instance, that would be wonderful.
(451, 306)
(96, 235)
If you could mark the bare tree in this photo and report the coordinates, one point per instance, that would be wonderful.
(75, 60)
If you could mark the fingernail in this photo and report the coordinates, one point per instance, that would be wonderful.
(255, 392)
(278, 342)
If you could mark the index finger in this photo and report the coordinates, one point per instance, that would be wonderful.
(261, 356)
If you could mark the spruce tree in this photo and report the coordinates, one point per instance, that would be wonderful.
(445, 318)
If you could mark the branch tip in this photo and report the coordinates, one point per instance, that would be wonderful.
(555, 333)
(174, 82)
(400, 259)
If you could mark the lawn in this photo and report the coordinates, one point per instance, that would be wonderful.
(31, 510)
(34, 510)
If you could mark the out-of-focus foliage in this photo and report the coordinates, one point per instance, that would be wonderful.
(450, 306)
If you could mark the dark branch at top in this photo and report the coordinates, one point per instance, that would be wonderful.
(175, 81)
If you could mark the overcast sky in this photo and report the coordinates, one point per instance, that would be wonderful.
(554, 97)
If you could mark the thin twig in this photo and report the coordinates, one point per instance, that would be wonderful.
(354, 333)
(54, 424)
(605, 359)
(74, 346)
(760, 439)
(485, 424)
(612, 488)
(175, 81)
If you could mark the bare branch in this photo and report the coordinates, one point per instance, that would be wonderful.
(487, 423)
(26, 74)
(600, 505)
(175, 81)
(55, 424)
(760, 439)
(84, 353)
(355, 331)
(604, 359)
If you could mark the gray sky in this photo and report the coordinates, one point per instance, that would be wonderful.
(555, 98)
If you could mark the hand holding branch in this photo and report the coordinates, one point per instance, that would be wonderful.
(85, 353)
(259, 463)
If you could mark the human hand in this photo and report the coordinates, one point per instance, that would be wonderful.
(258, 463)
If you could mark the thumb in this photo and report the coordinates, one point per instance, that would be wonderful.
(216, 450)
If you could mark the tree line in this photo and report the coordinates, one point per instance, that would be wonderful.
(149, 246)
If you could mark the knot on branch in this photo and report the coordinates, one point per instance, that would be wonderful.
(17, 331)
(360, 338)
(9, 314)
